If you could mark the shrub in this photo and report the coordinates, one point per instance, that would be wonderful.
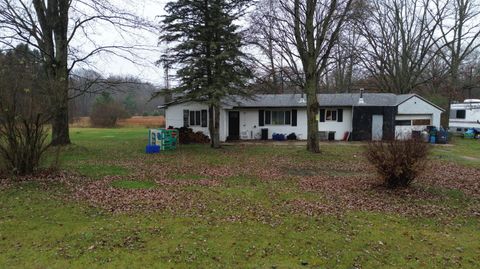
(24, 112)
(398, 162)
(22, 143)
(106, 112)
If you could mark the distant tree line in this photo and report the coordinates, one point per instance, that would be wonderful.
(131, 94)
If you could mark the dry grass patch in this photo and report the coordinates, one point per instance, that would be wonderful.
(438, 193)
(104, 194)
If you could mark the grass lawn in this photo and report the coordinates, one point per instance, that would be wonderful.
(242, 206)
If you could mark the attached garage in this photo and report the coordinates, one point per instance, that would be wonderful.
(415, 114)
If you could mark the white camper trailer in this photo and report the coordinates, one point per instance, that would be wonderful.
(464, 116)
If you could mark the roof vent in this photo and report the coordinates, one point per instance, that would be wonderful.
(302, 100)
(360, 100)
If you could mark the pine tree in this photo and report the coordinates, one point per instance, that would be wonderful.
(207, 50)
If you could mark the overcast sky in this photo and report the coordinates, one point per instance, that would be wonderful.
(142, 67)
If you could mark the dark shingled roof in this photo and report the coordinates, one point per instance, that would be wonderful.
(326, 100)
(337, 99)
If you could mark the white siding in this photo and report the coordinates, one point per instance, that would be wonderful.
(416, 109)
(250, 128)
(416, 106)
(472, 117)
(174, 115)
(338, 127)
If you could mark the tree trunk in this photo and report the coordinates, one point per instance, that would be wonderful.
(312, 113)
(448, 110)
(216, 129)
(453, 88)
(211, 123)
(59, 95)
(60, 127)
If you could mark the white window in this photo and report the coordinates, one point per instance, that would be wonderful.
(278, 117)
(403, 123)
(330, 115)
(421, 122)
(195, 118)
(460, 114)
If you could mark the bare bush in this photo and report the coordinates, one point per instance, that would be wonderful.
(106, 112)
(22, 143)
(398, 162)
(22, 115)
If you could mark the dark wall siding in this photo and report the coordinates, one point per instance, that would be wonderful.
(362, 122)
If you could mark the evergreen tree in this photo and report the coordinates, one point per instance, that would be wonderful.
(207, 52)
(129, 103)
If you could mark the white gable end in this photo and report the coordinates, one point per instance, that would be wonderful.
(417, 108)
(416, 105)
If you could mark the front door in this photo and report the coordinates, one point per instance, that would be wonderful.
(233, 125)
(377, 127)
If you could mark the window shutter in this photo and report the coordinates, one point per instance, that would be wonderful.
(287, 117)
(294, 117)
(322, 115)
(340, 115)
(186, 113)
(261, 118)
(204, 118)
(268, 117)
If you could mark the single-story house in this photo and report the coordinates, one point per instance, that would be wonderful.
(358, 116)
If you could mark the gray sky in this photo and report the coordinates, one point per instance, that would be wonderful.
(143, 66)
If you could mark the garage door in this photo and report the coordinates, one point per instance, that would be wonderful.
(406, 124)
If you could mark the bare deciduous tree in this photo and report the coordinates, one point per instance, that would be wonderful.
(261, 35)
(344, 61)
(401, 41)
(52, 27)
(304, 33)
(460, 33)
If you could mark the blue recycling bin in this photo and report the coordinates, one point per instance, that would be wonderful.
(151, 149)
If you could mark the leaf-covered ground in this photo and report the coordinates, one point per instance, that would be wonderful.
(254, 206)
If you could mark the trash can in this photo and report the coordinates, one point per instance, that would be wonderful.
(442, 137)
(331, 136)
(264, 133)
(433, 135)
(150, 149)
